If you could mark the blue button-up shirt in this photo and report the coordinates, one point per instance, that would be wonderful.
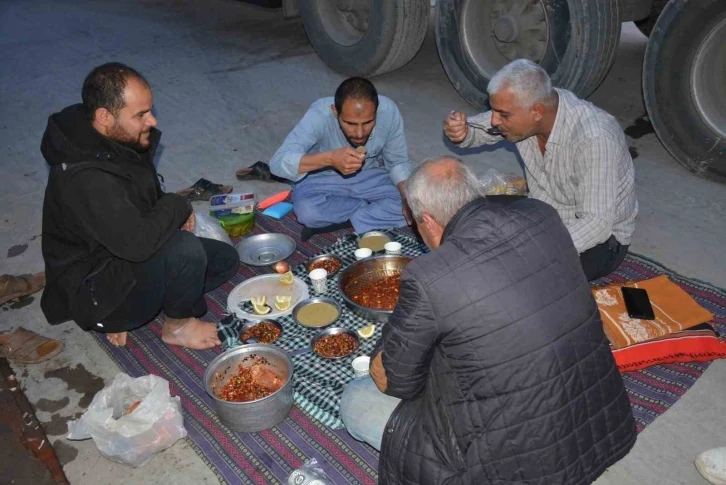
(319, 131)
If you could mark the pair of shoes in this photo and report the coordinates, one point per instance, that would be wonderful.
(712, 465)
(258, 171)
(203, 189)
(27, 347)
(12, 287)
(309, 232)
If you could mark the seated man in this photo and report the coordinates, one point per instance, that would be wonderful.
(347, 156)
(117, 249)
(494, 363)
(575, 158)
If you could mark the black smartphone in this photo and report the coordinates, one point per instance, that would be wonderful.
(637, 303)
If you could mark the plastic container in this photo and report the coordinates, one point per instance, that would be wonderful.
(237, 225)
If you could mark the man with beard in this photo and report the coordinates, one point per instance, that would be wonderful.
(118, 249)
(575, 158)
(349, 161)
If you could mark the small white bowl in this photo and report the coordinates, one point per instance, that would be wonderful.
(392, 247)
(363, 253)
(361, 365)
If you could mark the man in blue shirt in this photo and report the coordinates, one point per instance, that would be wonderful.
(349, 160)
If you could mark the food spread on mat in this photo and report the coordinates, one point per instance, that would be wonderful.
(282, 302)
(264, 332)
(286, 278)
(250, 382)
(335, 345)
(367, 331)
(259, 305)
(374, 242)
(317, 314)
(329, 265)
(381, 295)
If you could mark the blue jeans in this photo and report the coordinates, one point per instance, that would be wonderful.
(365, 410)
(369, 200)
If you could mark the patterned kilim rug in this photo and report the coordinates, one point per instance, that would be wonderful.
(270, 456)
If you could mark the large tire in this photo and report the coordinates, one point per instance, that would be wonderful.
(582, 38)
(646, 25)
(684, 86)
(393, 34)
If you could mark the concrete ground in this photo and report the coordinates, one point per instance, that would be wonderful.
(229, 81)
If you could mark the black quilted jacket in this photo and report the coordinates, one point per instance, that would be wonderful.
(496, 348)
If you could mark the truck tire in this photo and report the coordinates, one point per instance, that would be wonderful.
(573, 40)
(365, 37)
(646, 25)
(684, 87)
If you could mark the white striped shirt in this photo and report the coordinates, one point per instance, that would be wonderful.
(586, 172)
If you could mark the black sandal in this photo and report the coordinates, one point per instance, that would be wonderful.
(258, 171)
(203, 189)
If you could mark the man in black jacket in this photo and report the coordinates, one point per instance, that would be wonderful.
(494, 364)
(118, 249)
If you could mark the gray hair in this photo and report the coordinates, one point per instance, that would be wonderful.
(529, 82)
(440, 187)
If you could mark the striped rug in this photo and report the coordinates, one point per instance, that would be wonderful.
(270, 456)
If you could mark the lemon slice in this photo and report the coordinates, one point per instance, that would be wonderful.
(287, 278)
(367, 331)
(259, 305)
(282, 302)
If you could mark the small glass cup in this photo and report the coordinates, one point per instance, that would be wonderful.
(363, 253)
(392, 247)
(319, 279)
(361, 365)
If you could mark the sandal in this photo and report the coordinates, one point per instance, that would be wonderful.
(258, 171)
(12, 287)
(203, 189)
(27, 347)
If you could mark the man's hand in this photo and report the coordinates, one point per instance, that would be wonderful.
(346, 160)
(378, 373)
(190, 224)
(455, 127)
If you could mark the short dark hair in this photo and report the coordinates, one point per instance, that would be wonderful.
(104, 87)
(355, 88)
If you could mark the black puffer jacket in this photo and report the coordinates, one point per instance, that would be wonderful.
(103, 211)
(496, 348)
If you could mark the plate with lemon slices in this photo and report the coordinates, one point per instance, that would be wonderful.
(267, 297)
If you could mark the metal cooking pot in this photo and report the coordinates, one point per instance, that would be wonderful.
(256, 415)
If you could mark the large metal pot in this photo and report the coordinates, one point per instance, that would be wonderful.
(256, 415)
(365, 272)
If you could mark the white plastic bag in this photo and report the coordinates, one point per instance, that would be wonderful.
(498, 183)
(209, 227)
(309, 474)
(133, 438)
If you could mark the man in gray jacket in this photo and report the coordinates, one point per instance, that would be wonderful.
(494, 364)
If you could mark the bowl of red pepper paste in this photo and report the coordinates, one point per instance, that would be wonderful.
(251, 386)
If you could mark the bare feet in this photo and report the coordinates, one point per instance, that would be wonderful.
(117, 339)
(190, 332)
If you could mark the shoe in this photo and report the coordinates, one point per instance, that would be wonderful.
(203, 189)
(712, 465)
(12, 287)
(258, 171)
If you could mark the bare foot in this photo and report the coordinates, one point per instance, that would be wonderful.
(117, 339)
(190, 332)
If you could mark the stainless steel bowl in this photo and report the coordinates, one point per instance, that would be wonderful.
(364, 273)
(334, 331)
(324, 257)
(256, 415)
(319, 299)
(374, 233)
(249, 325)
(264, 249)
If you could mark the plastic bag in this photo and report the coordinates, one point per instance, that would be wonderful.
(309, 474)
(209, 227)
(498, 183)
(125, 431)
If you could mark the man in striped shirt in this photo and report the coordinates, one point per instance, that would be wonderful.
(575, 158)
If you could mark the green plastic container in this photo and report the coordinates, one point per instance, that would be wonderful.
(237, 225)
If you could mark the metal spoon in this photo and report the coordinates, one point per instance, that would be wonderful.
(491, 131)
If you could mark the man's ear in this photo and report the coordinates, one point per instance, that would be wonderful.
(538, 111)
(104, 117)
(334, 110)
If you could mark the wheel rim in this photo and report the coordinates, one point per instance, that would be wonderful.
(345, 21)
(708, 72)
(496, 32)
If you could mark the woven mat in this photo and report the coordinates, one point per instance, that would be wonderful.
(271, 455)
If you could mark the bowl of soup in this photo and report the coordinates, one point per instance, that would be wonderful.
(374, 240)
(317, 312)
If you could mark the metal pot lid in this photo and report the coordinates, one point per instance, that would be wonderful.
(265, 249)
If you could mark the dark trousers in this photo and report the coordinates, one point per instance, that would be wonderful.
(174, 280)
(603, 259)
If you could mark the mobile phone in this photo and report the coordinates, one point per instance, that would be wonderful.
(637, 303)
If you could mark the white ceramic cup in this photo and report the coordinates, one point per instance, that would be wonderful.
(392, 247)
(361, 365)
(363, 253)
(319, 279)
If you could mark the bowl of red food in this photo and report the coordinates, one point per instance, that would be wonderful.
(329, 262)
(264, 332)
(370, 286)
(251, 386)
(335, 343)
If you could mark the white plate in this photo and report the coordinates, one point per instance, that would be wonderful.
(266, 285)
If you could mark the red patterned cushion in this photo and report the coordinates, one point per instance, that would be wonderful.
(698, 344)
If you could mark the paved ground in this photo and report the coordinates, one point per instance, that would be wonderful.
(230, 81)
